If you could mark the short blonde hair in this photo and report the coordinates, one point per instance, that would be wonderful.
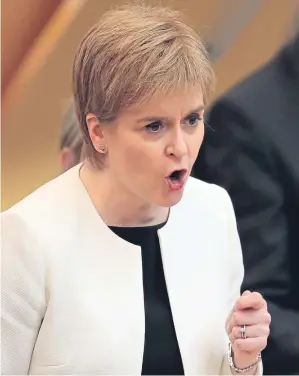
(134, 53)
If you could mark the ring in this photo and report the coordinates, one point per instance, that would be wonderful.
(243, 332)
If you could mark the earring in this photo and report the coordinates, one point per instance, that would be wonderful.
(102, 149)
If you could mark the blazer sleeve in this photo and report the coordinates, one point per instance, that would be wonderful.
(234, 263)
(23, 298)
(241, 161)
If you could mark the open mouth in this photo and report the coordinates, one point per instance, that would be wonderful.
(176, 179)
(176, 175)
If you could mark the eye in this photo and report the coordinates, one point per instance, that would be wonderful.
(154, 127)
(193, 119)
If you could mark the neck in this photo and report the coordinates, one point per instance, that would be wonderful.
(116, 205)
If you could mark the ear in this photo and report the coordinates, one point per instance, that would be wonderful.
(95, 130)
(67, 158)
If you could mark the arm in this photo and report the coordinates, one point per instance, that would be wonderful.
(234, 264)
(23, 300)
(237, 159)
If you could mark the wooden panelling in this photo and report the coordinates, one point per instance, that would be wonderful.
(32, 126)
(22, 21)
(42, 47)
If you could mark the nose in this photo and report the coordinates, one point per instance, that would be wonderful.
(177, 147)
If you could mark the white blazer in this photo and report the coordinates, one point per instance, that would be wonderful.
(72, 291)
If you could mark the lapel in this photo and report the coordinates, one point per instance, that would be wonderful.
(188, 250)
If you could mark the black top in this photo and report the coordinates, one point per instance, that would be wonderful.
(161, 351)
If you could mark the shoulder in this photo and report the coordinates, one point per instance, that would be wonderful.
(206, 193)
(210, 199)
(256, 83)
(252, 92)
(45, 207)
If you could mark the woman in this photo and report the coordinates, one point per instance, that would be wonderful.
(109, 268)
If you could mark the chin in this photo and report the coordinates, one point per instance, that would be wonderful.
(171, 199)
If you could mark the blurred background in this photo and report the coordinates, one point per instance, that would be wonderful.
(39, 39)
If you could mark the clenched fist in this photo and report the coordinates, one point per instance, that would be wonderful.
(248, 327)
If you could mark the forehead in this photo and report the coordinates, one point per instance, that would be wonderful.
(174, 104)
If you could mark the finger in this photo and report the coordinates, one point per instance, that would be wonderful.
(248, 317)
(253, 300)
(251, 344)
(229, 317)
(227, 322)
(251, 331)
(247, 292)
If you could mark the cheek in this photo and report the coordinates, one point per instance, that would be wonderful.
(136, 157)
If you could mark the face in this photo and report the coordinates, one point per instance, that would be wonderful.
(152, 147)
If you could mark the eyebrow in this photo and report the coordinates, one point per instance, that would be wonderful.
(156, 118)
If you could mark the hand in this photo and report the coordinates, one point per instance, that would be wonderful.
(249, 310)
